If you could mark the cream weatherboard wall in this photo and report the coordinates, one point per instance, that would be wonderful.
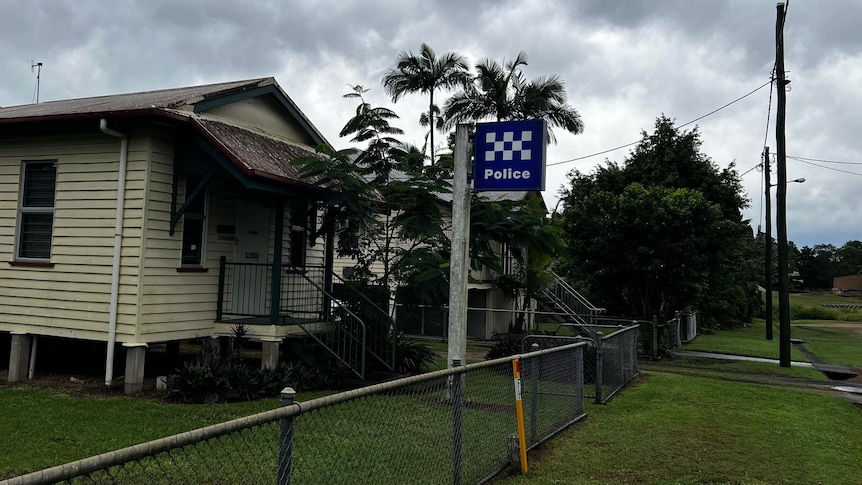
(157, 302)
(71, 299)
(177, 304)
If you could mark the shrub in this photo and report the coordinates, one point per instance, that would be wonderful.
(509, 344)
(411, 355)
(210, 378)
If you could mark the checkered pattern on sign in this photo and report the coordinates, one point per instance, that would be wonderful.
(508, 146)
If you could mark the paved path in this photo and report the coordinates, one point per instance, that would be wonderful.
(715, 355)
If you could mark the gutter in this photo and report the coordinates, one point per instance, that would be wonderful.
(118, 239)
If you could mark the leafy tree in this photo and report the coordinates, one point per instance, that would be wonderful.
(426, 73)
(818, 265)
(525, 235)
(662, 232)
(502, 93)
(794, 261)
(381, 203)
(850, 258)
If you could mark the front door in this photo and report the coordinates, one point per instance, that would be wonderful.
(251, 246)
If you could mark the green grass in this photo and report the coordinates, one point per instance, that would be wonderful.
(728, 368)
(819, 298)
(750, 341)
(398, 437)
(42, 428)
(686, 430)
(833, 345)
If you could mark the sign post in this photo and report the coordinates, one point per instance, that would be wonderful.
(509, 156)
(460, 263)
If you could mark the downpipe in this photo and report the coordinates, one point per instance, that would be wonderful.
(118, 239)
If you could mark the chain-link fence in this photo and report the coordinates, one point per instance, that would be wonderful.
(610, 358)
(452, 426)
(667, 336)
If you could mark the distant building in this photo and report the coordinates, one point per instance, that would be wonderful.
(850, 285)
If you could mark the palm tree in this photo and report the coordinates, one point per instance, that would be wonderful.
(502, 93)
(426, 73)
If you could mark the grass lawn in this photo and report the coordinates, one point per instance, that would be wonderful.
(749, 341)
(734, 369)
(42, 428)
(819, 298)
(689, 430)
(835, 345)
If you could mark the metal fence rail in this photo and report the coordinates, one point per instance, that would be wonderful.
(610, 361)
(452, 426)
(616, 361)
(669, 335)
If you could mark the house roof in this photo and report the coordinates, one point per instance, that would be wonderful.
(255, 153)
(175, 98)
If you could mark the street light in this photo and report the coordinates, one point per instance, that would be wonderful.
(800, 180)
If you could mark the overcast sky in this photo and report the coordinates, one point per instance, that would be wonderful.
(624, 64)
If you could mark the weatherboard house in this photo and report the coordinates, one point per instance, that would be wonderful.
(153, 217)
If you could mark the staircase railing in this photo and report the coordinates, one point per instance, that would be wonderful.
(568, 300)
(381, 327)
(343, 334)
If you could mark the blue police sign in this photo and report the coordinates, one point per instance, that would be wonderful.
(510, 156)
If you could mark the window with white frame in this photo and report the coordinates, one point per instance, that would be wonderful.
(194, 223)
(36, 210)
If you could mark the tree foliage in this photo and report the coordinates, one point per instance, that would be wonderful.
(502, 93)
(662, 232)
(381, 202)
(426, 73)
(819, 264)
(387, 206)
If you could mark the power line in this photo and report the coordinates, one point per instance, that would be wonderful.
(680, 126)
(804, 159)
(743, 174)
(769, 106)
(827, 168)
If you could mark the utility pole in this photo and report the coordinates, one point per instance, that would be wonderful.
(768, 245)
(459, 269)
(781, 216)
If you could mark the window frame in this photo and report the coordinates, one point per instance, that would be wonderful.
(191, 182)
(299, 216)
(22, 210)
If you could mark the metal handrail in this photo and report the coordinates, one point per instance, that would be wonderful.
(587, 304)
(353, 316)
(389, 320)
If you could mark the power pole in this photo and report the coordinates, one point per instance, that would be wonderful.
(781, 216)
(459, 270)
(767, 241)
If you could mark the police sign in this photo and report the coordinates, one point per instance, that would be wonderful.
(510, 156)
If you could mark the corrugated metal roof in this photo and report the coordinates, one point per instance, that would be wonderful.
(256, 152)
(164, 98)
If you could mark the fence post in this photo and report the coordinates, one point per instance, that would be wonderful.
(679, 328)
(654, 338)
(457, 390)
(599, 364)
(534, 394)
(220, 295)
(285, 444)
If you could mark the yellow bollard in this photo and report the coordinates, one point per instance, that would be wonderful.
(519, 408)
